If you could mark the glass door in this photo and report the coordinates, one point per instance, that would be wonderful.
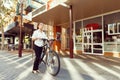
(87, 41)
(92, 41)
(97, 42)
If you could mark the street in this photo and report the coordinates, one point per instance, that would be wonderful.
(83, 67)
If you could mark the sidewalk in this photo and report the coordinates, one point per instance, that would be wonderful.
(84, 67)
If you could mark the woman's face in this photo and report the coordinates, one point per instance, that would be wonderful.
(40, 26)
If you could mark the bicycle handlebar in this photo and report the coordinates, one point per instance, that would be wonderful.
(48, 40)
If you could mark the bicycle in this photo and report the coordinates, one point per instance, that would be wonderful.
(49, 59)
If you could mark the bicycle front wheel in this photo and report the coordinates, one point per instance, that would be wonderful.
(53, 63)
(42, 67)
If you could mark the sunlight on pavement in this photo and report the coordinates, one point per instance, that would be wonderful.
(24, 74)
(108, 70)
(23, 64)
(15, 61)
(72, 70)
(110, 59)
(11, 57)
(89, 70)
(6, 58)
(2, 77)
(92, 57)
(14, 57)
(118, 67)
(82, 56)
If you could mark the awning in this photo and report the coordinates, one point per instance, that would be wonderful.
(56, 15)
(13, 28)
(7, 34)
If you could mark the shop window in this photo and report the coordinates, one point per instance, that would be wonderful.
(67, 38)
(78, 32)
(111, 27)
(112, 32)
(95, 23)
(77, 28)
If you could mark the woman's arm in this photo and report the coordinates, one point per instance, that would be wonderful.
(33, 39)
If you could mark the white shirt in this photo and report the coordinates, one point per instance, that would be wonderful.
(38, 34)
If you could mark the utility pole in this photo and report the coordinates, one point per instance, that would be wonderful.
(21, 25)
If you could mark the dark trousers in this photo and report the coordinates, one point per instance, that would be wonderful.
(38, 51)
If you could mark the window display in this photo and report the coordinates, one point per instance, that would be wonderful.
(113, 28)
(78, 35)
(112, 32)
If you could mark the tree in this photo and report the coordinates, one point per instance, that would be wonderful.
(5, 15)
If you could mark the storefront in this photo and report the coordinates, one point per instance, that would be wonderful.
(96, 25)
(99, 35)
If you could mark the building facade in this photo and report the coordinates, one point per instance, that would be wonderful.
(95, 30)
(95, 25)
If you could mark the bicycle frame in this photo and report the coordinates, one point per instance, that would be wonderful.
(46, 47)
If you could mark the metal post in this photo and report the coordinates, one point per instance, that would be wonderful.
(20, 36)
(71, 31)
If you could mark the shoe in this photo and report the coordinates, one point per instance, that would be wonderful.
(34, 71)
(37, 71)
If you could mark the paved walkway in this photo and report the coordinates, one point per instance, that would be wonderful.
(85, 67)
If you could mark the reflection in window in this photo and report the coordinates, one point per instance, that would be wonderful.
(77, 28)
(78, 32)
(97, 37)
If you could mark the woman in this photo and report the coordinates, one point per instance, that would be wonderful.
(37, 37)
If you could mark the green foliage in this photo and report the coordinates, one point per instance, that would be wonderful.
(5, 17)
(6, 13)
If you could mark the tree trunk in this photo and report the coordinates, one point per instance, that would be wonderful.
(2, 44)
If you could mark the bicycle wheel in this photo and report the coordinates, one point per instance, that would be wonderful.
(53, 63)
(42, 67)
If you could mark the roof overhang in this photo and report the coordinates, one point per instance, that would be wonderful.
(54, 16)
(88, 8)
(81, 9)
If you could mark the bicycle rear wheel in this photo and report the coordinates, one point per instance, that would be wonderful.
(53, 63)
